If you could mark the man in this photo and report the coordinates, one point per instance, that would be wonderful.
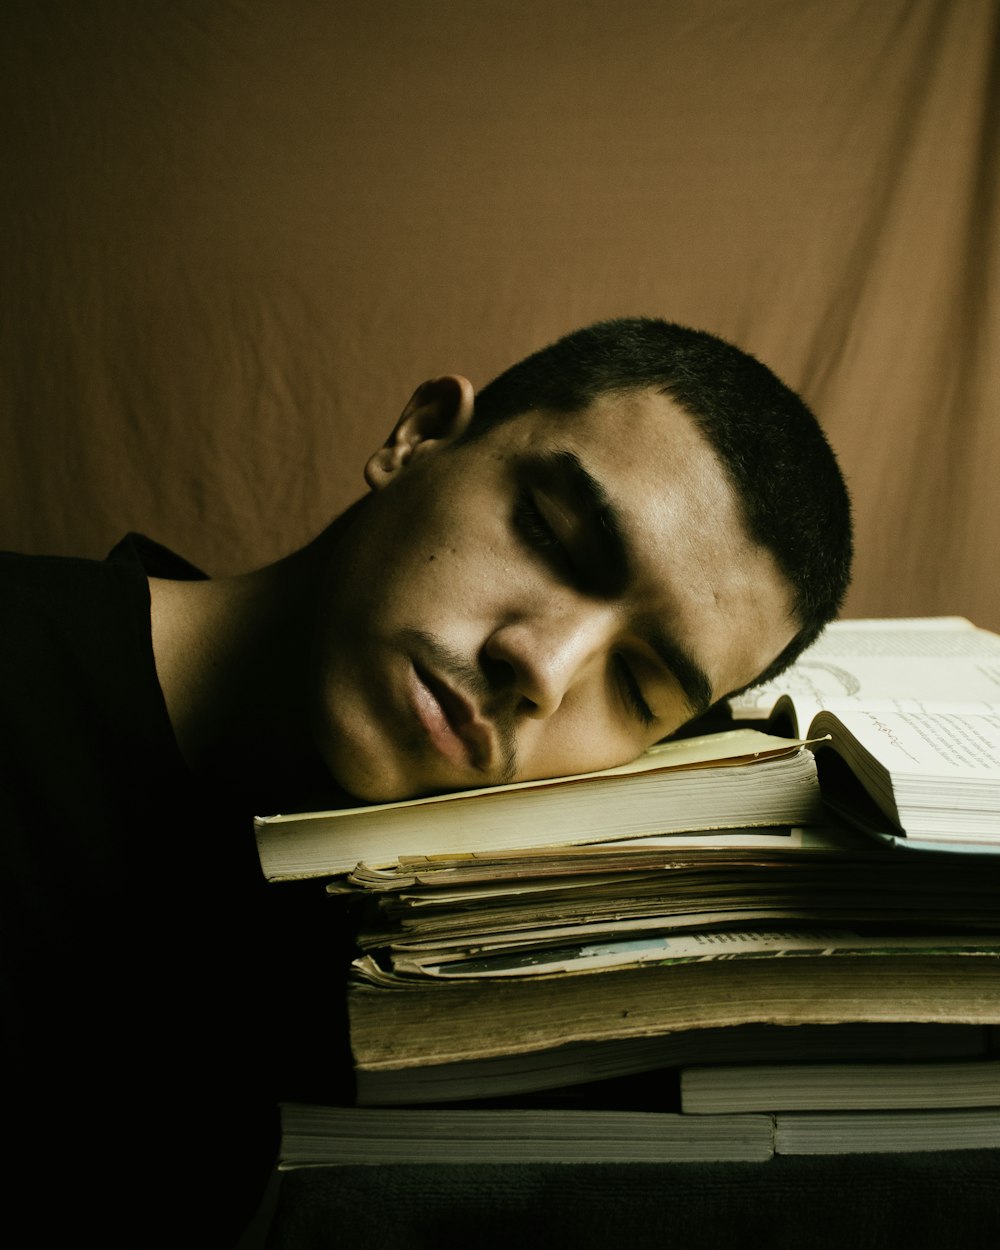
(546, 578)
(542, 582)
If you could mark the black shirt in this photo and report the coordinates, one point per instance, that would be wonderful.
(158, 996)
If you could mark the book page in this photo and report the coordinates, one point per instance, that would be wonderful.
(930, 660)
(924, 745)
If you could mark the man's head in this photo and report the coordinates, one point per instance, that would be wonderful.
(790, 490)
(618, 531)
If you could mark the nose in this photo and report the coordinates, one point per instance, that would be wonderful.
(540, 658)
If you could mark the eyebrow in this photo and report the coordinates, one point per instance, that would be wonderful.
(610, 534)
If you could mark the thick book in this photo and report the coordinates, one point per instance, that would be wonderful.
(732, 779)
(320, 1136)
(603, 1070)
(695, 981)
(910, 713)
(856, 1086)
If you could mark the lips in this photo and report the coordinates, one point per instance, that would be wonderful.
(451, 722)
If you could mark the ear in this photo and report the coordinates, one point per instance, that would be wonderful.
(438, 412)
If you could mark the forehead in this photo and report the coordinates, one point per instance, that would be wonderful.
(718, 592)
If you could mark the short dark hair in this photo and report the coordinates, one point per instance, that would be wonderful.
(791, 490)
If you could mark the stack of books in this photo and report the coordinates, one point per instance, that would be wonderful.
(780, 938)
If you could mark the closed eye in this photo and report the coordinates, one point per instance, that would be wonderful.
(632, 692)
(535, 529)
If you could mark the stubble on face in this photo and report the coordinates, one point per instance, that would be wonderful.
(493, 698)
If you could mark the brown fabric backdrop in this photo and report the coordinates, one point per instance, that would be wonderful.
(235, 235)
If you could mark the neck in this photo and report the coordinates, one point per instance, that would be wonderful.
(232, 655)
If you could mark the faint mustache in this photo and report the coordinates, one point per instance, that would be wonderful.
(470, 680)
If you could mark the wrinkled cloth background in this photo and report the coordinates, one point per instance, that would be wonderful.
(235, 237)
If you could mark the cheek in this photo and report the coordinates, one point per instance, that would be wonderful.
(581, 739)
(447, 585)
(462, 573)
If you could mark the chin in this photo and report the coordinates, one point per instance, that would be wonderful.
(380, 789)
(371, 773)
(372, 782)
(364, 785)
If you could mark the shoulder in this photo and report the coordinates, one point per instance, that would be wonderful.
(55, 584)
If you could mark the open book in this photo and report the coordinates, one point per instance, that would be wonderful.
(911, 710)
